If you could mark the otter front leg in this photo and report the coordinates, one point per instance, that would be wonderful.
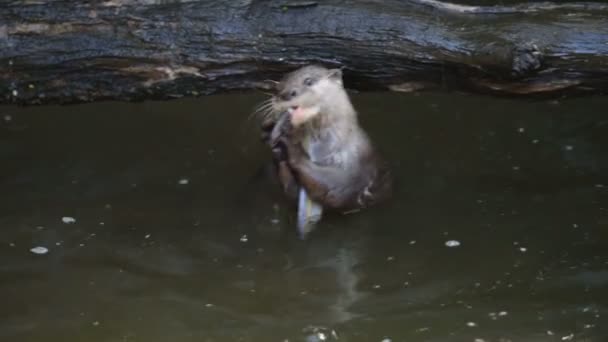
(275, 131)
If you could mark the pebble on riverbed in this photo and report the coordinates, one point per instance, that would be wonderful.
(39, 250)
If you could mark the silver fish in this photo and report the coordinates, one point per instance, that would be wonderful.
(309, 212)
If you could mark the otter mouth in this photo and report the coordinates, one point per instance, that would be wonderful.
(300, 115)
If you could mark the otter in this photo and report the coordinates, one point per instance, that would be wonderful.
(312, 128)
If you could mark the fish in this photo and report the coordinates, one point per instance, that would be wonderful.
(309, 212)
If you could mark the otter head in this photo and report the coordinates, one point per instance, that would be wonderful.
(310, 92)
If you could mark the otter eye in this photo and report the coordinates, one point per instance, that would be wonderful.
(293, 94)
(308, 81)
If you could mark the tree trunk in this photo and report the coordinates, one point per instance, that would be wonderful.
(67, 51)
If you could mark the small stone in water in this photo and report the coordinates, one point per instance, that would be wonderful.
(413, 242)
(147, 236)
(471, 324)
(452, 243)
(68, 220)
(568, 337)
(535, 141)
(523, 249)
(8, 118)
(96, 323)
(39, 250)
(15, 93)
(521, 129)
(244, 238)
(184, 181)
(569, 147)
(386, 340)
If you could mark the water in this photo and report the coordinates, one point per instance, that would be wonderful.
(159, 226)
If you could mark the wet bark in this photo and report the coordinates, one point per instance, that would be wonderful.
(67, 51)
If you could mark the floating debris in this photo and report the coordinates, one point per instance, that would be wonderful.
(452, 243)
(147, 236)
(390, 258)
(15, 93)
(516, 168)
(386, 340)
(39, 250)
(523, 249)
(535, 141)
(244, 238)
(569, 147)
(471, 324)
(68, 220)
(521, 129)
(568, 337)
(183, 181)
(96, 323)
(413, 242)
(8, 118)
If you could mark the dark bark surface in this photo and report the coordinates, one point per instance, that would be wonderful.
(68, 51)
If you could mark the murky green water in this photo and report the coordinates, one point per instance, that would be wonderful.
(177, 237)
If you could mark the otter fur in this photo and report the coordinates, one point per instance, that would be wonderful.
(312, 127)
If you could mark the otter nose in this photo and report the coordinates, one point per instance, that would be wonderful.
(288, 95)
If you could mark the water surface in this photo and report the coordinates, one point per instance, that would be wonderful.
(178, 236)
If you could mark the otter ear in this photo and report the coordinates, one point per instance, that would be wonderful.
(335, 74)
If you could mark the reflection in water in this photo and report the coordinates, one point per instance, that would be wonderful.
(178, 237)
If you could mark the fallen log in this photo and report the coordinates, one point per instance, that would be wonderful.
(64, 51)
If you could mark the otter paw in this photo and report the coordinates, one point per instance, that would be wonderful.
(279, 152)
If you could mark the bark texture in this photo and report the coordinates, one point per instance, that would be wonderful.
(68, 51)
